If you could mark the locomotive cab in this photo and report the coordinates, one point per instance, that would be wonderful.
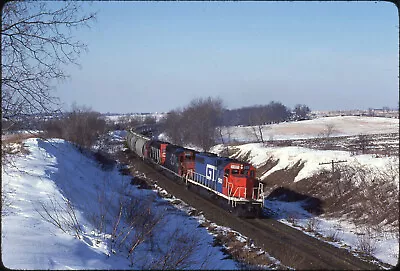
(186, 162)
(239, 181)
(156, 151)
(180, 160)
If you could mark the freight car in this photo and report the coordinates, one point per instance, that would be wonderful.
(233, 182)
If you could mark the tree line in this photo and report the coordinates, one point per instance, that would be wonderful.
(274, 112)
(197, 124)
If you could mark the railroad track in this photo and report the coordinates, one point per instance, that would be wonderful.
(292, 247)
(307, 252)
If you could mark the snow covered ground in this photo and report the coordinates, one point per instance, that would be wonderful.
(54, 172)
(385, 245)
(338, 126)
(115, 118)
(289, 156)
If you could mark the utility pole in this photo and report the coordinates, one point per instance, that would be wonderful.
(333, 164)
(338, 190)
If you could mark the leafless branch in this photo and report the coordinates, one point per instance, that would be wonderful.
(179, 252)
(60, 214)
(37, 40)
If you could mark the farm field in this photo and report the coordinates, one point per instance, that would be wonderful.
(339, 126)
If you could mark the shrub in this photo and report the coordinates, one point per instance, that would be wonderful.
(312, 224)
(333, 236)
(81, 126)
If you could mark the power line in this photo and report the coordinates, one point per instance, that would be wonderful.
(333, 163)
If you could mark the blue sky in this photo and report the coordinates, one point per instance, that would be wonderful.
(158, 56)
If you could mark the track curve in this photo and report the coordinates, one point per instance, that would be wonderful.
(292, 247)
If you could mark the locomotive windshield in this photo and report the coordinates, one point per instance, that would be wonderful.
(245, 172)
(239, 172)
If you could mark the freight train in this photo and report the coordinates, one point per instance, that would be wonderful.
(232, 182)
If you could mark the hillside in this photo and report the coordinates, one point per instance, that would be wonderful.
(357, 199)
(51, 180)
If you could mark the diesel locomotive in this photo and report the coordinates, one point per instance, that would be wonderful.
(232, 182)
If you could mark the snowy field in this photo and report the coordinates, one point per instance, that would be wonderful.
(53, 172)
(339, 126)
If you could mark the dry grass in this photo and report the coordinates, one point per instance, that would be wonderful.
(292, 258)
(18, 138)
(366, 242)
(333, 236)
(312, 225)
(247, 255)
(292, 219)
(364, 197)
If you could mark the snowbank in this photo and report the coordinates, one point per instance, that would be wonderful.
(311, 159)
(55, 171)
(386, 245)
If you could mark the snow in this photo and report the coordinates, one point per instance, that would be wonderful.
(54, 171)
(291, 213)
(115, 118)
(341, 126)
(387, 243)
(311, 159)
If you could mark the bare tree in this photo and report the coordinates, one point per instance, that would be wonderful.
(205, 116)
(225, 134)
(258, 118)
(82, 126)
(327, 133)
(257, 121)
(301, 112)
(362, 142)
(171, 122)
(36, 41)
(62, 215)
(179, 254)
(196, 124)
(330, 128)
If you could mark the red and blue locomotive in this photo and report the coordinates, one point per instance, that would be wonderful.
(233, 181)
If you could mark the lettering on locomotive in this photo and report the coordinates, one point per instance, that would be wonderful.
(210, 172)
